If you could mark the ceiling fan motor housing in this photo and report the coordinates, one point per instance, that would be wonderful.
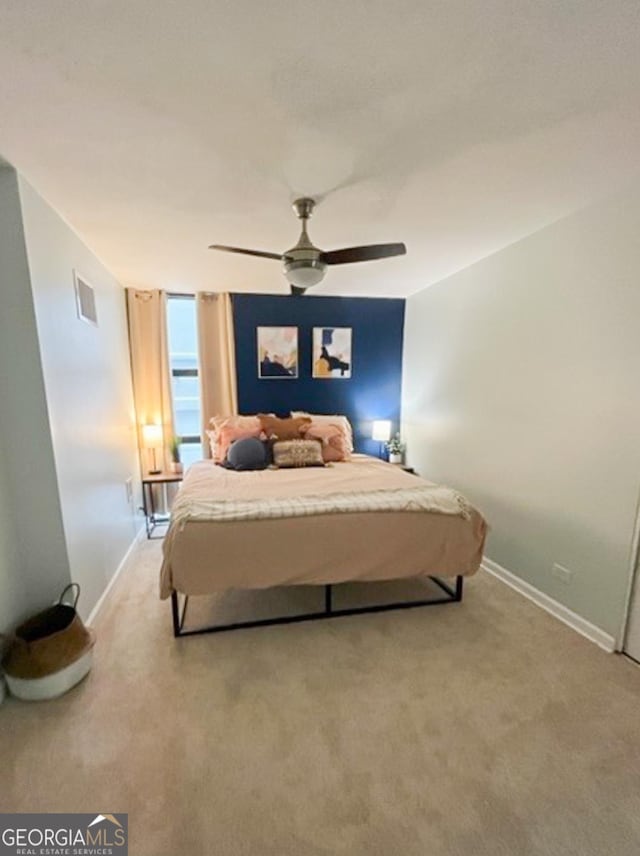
(303, 266)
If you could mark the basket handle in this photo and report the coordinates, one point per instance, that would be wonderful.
(76, 588)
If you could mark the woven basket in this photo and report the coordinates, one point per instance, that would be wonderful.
(50, 652)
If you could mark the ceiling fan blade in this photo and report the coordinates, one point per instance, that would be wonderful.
(362, 254)
(261, 253)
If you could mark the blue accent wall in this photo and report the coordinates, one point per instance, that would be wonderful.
(372, 392)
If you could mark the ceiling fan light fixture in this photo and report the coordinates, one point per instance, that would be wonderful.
(305, 273)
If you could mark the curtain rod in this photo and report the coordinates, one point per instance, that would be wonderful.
(183, 295)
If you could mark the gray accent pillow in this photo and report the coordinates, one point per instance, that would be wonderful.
(298, 453)
(249, 453)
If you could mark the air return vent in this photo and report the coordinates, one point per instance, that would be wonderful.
(85, 299)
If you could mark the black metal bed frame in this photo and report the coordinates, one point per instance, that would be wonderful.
(453, 595)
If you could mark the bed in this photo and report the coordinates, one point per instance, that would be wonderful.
(358, 520)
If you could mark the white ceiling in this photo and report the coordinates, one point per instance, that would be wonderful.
(157, 127)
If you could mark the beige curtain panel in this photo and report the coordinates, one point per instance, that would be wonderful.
(150, 369)
(216, 354)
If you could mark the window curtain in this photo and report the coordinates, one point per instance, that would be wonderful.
(150, 369)
(216, 354)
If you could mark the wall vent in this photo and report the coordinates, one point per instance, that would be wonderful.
(85, 300)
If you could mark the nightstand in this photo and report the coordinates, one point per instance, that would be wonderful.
(152, 517)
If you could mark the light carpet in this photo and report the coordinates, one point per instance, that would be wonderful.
(476, 729)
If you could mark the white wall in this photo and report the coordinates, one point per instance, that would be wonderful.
(521, 378)
(87, 379)
(34, 565)
(13, 589)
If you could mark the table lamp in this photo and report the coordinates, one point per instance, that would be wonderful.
(381, 432)
(151, 439)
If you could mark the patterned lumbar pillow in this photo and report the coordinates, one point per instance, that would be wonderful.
(297, 453)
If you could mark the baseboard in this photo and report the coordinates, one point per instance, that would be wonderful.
(96, 609)
(558, 610)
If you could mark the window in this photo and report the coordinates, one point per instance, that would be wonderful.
(185, 383)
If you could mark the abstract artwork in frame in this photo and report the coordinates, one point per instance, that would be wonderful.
(277, 352)
(332, 352)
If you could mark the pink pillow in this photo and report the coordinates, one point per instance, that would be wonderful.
(228, 434)
(337, 421)
(247, 423)
(334, 442)
(217, 422)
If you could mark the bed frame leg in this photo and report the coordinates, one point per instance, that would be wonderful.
(459, 584)
(327, 599)
(177, 616)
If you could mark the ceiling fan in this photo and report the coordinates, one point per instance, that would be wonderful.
(304, 264)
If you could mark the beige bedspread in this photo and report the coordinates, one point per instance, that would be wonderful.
(363, 484)
(364, 520)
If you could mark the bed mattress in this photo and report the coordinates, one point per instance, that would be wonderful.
(357, 520)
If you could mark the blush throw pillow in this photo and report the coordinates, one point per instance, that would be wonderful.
(334, 444)
(338, 421)
(248, 423)
(221, 440)
(297, 453)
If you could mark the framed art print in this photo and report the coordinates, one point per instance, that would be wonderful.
(332, 352)
(277, 352)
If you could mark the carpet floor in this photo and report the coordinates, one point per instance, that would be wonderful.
(476, 729)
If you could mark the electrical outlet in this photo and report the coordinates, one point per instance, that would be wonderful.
(128, 486)
(561, 573)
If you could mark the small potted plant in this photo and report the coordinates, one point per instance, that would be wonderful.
(174, 451)
(395, 448)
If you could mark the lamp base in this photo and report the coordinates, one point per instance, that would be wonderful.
(154, 471)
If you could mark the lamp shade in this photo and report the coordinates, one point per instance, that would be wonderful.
(152, 436)
(381, 430)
